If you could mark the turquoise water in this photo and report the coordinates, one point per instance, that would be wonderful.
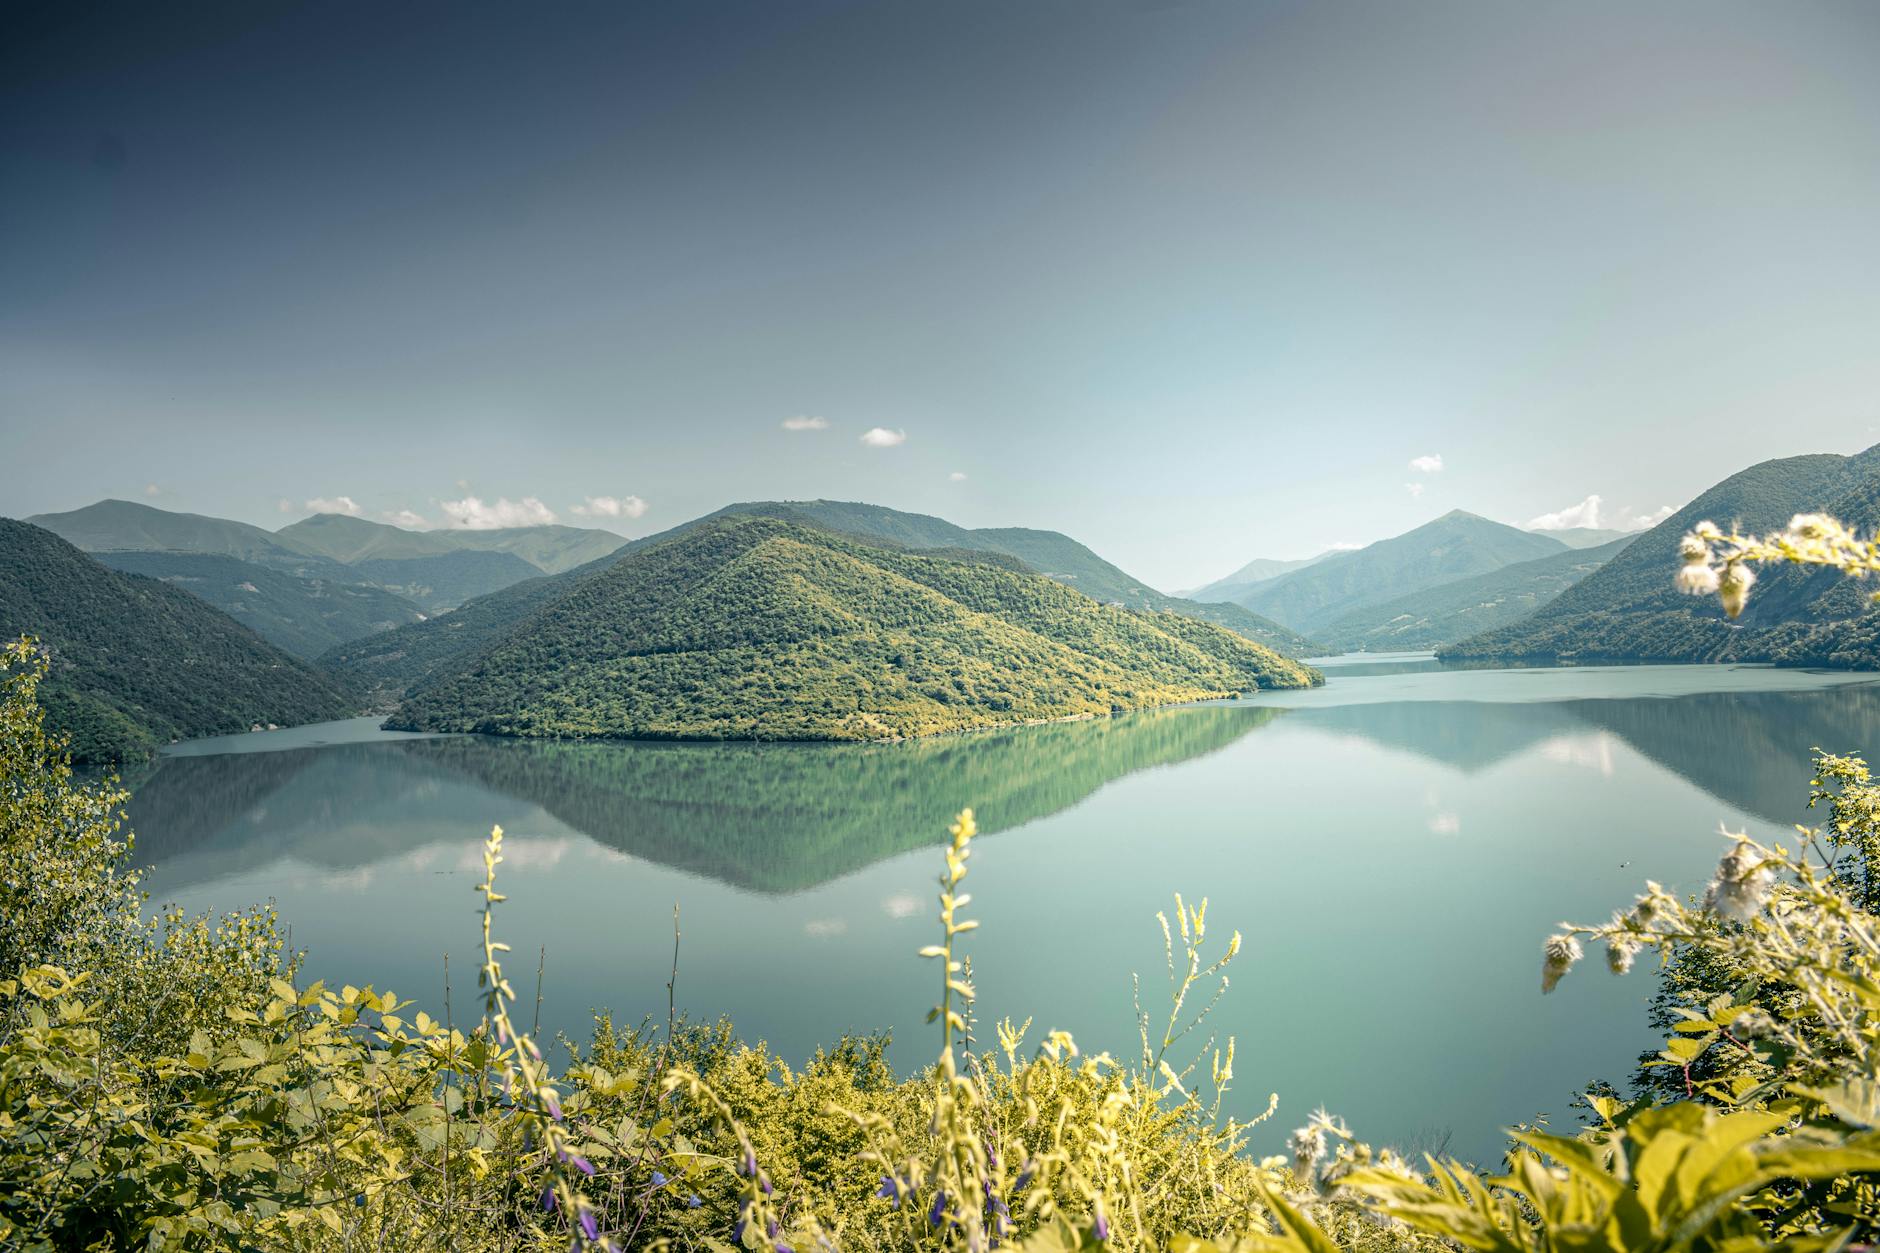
(1393, 846)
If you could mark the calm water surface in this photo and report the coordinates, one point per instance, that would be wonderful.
(1393, 846)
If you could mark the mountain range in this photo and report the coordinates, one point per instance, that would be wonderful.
(1454, 610)
(1452, 547)
(1628, 610)
(751, 627)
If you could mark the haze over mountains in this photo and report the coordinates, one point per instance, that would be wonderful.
(436, 570)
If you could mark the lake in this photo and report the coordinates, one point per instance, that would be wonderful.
(1393, 846)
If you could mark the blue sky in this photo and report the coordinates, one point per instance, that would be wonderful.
(1193, 282)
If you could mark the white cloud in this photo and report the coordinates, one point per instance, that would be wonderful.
(901, 905)
(1644, 521)
(1342, 546)
(1586, 513)
(410, 519)
(806, 422)
(1590, 513)
(958, 476)
(1428, 463)
(1415, 489)
(151, 489)
(610, 507)
(471, 514)
(335, 504)
(882, 437)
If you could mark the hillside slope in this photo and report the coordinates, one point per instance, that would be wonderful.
(1454, 546)
(136, 662)
(305, 616)
(1628, 610)
(754, 628)
(1454, 611)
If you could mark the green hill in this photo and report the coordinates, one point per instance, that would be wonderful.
(137, 662)
(388, 665)
(124, 526)
(1628, 610)
(305, 616)
(1054, 555)
(1453, 611)
(549, 549)
(761, 629)
(1455, 546)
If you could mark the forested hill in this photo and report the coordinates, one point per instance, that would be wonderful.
(755, 628)
(388, 665)
(1050, 553)
(136, 662)
(1629, 610)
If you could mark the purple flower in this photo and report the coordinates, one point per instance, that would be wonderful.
(784, 1248)
(748, 1167)
(1101, 1227)
(770, 1229)
(693, 1201)
(1024, 1177)
(763, 1182)
(553, 1105)
(660, 1180)
(737, 1232)
(548, 1200)
(939, 1209)
(582, 1164)
(890, 1191)
(590, 1228)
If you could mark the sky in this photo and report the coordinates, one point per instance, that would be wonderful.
(1192, 282)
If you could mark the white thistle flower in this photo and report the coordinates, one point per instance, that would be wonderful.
(1742, 885)
(1693, 551)
(1733, 587)
(1811, 526)
(1752, 1023)
(1653, 908)
(1696, 580)
(1707, 530)
(1621, 949)
(1558, 956)
(1307, 1145)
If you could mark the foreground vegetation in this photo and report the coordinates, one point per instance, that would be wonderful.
(754, 628)
(174, 1084)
